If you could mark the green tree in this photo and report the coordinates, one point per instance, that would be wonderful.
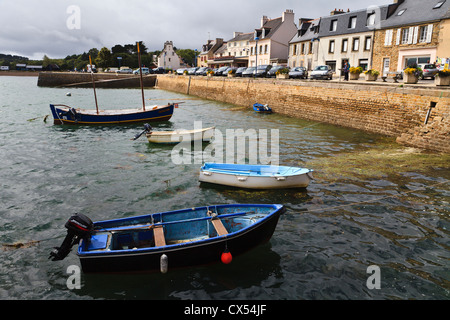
(104, 58)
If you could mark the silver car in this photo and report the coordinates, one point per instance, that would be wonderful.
(429, 70)
(322, 72)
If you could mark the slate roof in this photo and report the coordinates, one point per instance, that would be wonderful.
(343, 20)
(272, 25)
(306, 31)
(417, 11)
(243, 37)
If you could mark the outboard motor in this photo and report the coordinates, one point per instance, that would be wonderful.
(78, 227)
(147, 129)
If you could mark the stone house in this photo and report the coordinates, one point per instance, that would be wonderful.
(348, 36)
(270, 42)
(409, 34)
(168, 58)
(206, 56)
(238, 49)
(304, 46)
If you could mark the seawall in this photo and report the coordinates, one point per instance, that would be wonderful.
(102, 80)
(392, 110)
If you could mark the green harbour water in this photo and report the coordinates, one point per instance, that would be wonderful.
(357, 212)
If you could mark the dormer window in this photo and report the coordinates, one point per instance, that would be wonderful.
(401, 12)
(439, 4)
(371, 19)
(352, 23)
(333, 26)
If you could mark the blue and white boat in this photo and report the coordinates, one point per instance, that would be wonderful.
(168, 240)
(255, 176)
(262, 108)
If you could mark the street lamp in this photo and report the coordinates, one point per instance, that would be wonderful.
(195, 64)
(256, 51)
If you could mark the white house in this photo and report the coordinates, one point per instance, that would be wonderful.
(168, 59)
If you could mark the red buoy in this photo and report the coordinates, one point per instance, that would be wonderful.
(226, 257)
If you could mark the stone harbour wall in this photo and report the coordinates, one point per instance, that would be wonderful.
(102, 80)
(389, 109)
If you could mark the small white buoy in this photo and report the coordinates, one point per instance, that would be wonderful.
(164, 263)
(68, 94)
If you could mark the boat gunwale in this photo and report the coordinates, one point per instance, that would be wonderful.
(253, 173)
(181, 132)
(277, 210)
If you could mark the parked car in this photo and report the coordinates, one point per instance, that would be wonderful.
(144, 71)
(192, 71)
(226, 72)
(429, 70)
(180, 71)
(159, 70)
(220, 71)
(261, 71)
(239, 71)
(298, 73)
(322, 72)
(126, 71)
(202, 71)
(249, 72)
(273, 71)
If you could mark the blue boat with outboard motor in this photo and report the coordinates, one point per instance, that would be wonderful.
(167, 240)
(262, 108)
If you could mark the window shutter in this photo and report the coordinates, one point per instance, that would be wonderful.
(429, 33)
(410, 35)
(399, 35)
(388, 38)
(416, 33)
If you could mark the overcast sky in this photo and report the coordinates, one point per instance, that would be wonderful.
(57, 28)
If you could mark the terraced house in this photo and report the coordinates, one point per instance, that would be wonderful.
(412, 33)
(341, 36)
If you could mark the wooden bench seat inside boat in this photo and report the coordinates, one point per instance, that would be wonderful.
(160, 240)
(218, 225)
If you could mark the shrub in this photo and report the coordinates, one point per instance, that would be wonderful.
(357, 70)
(443, 73)
(372, 72)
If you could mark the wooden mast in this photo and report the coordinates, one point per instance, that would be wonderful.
(140, 72)
(93, 84)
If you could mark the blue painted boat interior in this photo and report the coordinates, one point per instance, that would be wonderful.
(181, 226)
(253, 170)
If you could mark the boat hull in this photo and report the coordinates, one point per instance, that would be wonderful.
(260, 108)
(184, 254)
(66, 115)
(250, 180)
(204, 135)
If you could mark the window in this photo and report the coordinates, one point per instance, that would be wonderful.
(265, 49)
(355, 46)
(331, 47)
(439, 4)
(303, 49)
(352, 23)
(423, 33)
(333, 25)
(367, 43)
(331, 64)
(364, 63)
(294, 49)
(401, 12)
(344, 45)
(405, 35)
(370, 19)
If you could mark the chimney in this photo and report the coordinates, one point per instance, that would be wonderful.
(288, 15)
(264, 20)
(336, 12)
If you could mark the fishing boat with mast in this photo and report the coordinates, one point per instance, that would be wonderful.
(63, 114)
